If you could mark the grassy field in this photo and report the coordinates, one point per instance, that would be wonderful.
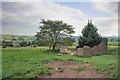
(29, 62)
(113, 43)
(9, 36)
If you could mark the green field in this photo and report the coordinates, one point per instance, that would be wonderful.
(9, 37)
(114, 43)
(29, 62)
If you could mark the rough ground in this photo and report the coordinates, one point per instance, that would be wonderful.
(65, 69)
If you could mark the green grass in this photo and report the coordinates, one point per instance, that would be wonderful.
(113, 43)
(30, 62)
(27, 62)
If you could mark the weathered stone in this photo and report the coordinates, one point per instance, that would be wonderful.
(62, 50)
(87, 51)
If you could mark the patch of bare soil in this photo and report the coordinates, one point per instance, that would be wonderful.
(66, 69)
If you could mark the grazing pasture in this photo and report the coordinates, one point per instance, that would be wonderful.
(114, 43)
(30, 62)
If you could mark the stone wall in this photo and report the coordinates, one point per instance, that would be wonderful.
(96, 50)
(87, 51)
(65, 50)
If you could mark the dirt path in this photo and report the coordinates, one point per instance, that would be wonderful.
(69, 69)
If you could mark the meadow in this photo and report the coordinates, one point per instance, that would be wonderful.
(30, 62)
(113, 43)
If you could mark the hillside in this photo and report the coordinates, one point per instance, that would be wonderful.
(114, 38)
(11, 36)
(25, 37)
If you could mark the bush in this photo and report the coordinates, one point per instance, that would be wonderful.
(4, 47)
(7, 44)
(34, 46)
(23, 44)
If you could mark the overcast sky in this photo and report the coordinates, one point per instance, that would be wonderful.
(22, 18)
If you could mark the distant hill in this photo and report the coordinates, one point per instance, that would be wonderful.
(29, 38)
(114, 38)
(11, 36)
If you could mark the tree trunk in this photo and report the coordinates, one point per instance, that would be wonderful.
(49, 46)
(54, 45)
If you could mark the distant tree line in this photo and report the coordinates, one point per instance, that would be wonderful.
(7, 44)
(13, 42)
(16, 44)
(18, 41)
(64, 42)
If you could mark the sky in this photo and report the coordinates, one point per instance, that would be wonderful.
(22, 18)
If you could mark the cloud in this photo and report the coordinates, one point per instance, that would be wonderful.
(29, 14)
(60, 1)
(107, 25)
(22, 0)
(108, 7)
(0, 18)
(104, 0)
(24, 18)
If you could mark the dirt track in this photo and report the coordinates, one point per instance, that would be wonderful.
(69, 72)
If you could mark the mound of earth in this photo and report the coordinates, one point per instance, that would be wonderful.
(70, 69)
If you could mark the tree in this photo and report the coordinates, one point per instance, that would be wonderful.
(13, 38)
(90, 36)
(52, 31)
(21, 38)
(23, 44)
(67, 41)
(7, 44)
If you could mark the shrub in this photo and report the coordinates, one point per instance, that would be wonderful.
(4, 46)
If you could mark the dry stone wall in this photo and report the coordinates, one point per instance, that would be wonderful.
(87, 51)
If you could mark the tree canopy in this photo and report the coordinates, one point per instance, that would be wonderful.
(90, 36)
(52, 31)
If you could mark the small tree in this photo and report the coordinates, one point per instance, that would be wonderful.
(13, 38)
(23, 44)
(21, 38)
(52, 31)
(90, 36)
